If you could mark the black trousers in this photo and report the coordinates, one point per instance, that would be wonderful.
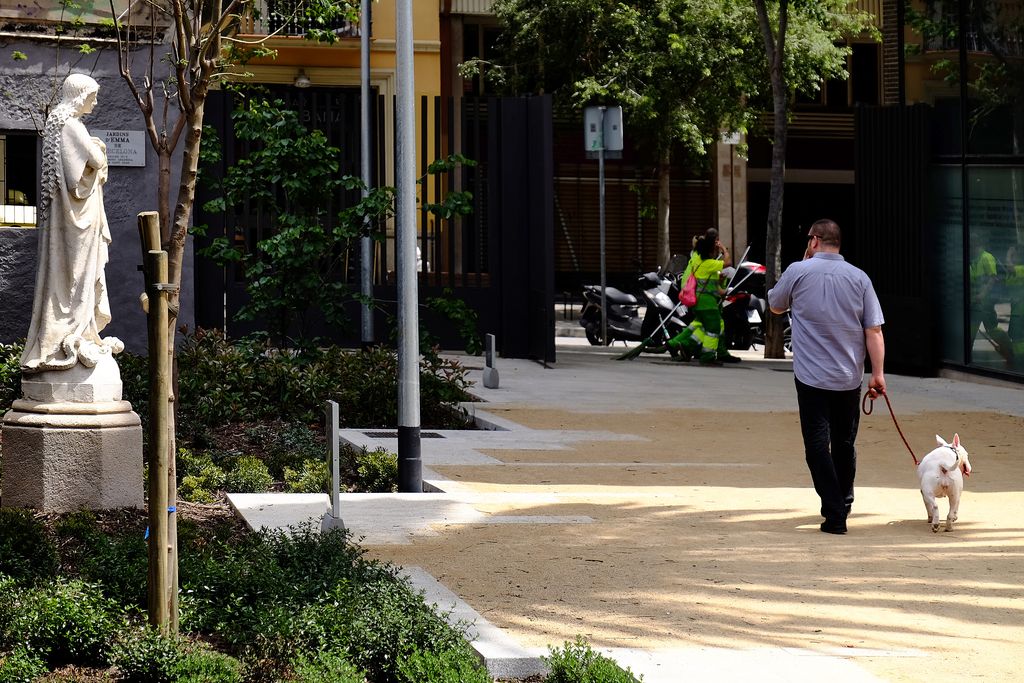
(828, 422)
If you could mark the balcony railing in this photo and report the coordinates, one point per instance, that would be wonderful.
(288, 18)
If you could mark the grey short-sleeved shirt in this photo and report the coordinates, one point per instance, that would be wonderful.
(831, 304)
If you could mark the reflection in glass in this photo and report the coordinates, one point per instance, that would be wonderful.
(995, 251)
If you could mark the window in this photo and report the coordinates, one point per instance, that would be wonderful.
(19, 179)
(862, 87)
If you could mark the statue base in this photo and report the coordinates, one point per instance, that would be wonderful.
(65, 456)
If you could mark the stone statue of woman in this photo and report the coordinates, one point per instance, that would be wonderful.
(70, 306)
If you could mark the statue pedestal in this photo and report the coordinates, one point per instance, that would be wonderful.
(60, 456)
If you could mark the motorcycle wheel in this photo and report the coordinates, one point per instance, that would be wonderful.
(593, 330)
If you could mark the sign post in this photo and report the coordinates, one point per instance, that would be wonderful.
(602, 134)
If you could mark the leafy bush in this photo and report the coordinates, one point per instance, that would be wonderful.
(21, 666)
(198, 476)
(118, 562)
(376, 471)
(10, 374)
(248, 475)
(577, 662)
(326, 667)
(313, 477)
(26, 552)
(62, 622)
(288, 445)
(447, 666)
(146, 656)
(221, 382)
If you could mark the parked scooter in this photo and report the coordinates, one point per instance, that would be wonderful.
(663, 317)
(745, 308)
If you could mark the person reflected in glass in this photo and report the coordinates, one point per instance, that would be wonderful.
(984, 276)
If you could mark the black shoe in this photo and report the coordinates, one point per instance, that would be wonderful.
(711, 363)
(729, 358)
(831, 527)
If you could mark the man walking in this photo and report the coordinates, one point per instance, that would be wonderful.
(836, 318)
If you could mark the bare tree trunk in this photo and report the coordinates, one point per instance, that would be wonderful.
(664, 200)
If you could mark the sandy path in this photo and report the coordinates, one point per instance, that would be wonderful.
(705, 534)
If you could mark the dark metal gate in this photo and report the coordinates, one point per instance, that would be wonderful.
(499, 259)
(893, 245)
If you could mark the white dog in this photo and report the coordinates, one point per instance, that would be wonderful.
(942, 475)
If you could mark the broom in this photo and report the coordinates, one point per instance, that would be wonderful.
(639, 348)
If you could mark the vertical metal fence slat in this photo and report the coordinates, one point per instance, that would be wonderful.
(424, 196)
(456, 223)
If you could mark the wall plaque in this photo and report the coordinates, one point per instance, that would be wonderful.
(124, 147)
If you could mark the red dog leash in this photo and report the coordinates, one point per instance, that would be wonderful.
(868, 407)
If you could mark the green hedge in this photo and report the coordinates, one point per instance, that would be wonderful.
(304, 606)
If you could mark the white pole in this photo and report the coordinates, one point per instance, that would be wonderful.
(410, 472)
(366, 252)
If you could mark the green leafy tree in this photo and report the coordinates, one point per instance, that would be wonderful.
(995, 81)
(288, 180)
(680, 68)
(803, 44)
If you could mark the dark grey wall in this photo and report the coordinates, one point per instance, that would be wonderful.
(26, 87)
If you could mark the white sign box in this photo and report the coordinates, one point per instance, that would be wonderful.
(124, 147)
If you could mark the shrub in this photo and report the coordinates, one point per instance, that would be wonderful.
(287, 445)
(63, 622)
(376, 471)
(21, 666)
(146, 656)
(313, 477)
(448, 666)
(118, 562)
(326, 667)
(249, 475)
(577, 662)
(380, 624)
(10, 374)
(198, 476)
(26, 552)
(135, 383)
(221, 382)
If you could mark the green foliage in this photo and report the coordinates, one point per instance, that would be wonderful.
(313, 477)
(248, 475)
(198, 476)
(18, 55)
(447, 666)
(146, 656)
(288, 180)
(325, 667)
(462, 316)
(221, 382)
(135, 380)
(577, 662)
(10, 374)
(381, 624)
(21, 666)
(291, 175)
(290, 445)
(118, 562)
(62, 622)
(26, 552)
(376, 471)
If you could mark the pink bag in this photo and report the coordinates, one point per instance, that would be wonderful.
(688, 295)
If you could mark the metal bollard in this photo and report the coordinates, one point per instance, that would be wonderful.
(490, 372)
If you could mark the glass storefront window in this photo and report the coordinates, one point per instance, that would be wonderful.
(996, 263)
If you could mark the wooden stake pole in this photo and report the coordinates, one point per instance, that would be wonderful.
(159, 388)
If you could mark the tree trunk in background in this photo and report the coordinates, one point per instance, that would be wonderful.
(664, 192)
(775, 46)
